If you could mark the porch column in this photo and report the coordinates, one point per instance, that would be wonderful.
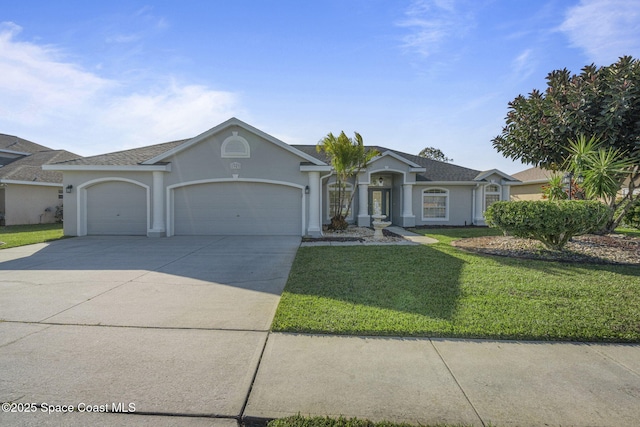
(479, 205)
(363, 206)
(157, 229)
(408, 218)
(314, 205)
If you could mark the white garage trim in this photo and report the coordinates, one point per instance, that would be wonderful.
(170, 203)
(82, 200)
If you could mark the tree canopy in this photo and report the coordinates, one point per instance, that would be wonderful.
(550, 129)
(434, 154)
(602, 102)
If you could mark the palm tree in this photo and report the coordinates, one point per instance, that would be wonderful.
(604, 170)
(348, 157)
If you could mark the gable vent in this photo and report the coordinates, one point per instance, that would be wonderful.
(235, 146)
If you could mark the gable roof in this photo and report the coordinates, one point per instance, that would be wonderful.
(10, 143)
(158, 153)
(534, 175)
(29, 168)
(134, 156)
(434, 170)
(222, 126)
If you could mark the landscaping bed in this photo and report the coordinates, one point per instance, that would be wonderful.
(594, 249)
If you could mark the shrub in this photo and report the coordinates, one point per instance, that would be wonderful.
(632, 217)
(552, 223)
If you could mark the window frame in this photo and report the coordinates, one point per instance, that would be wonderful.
(441, 192)
(498, 192)
(349, 187)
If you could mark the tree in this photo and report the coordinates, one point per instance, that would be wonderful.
(348, 157)
(603, 171)
(434, 154)
(604, 102)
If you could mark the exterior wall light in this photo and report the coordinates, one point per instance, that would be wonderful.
(306, 189)
(68, 188)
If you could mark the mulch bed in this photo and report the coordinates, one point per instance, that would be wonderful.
(609, 249)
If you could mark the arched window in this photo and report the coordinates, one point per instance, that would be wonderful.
(491, 195)
(435, 204)
(235, 146)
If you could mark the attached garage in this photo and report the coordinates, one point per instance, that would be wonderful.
(237, 208)
(116, 208)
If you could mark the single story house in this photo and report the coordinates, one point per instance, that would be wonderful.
(235, 179)
(532, 181)
(29, 194)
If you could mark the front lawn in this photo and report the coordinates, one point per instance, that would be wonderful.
(19, 235)
(440, 291)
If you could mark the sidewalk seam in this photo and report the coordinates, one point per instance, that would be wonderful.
(253, 380)
(475, 411)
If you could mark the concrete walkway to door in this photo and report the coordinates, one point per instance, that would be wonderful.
(171, 326)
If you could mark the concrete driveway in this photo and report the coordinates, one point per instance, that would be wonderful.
(163, 326)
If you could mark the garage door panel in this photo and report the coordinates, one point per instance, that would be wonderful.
(237, 209)
(116, 208)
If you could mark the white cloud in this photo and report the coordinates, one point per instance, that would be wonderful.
(430, 24)
(52, 101)
(604, 29)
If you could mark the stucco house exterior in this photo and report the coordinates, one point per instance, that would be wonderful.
(29, 194)
(532, 181)
(235, 179)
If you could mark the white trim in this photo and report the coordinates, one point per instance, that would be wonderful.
(315, 168)
(447, 183)
(42, 184)
(398, 157)
(20, 153)
(222, 126)
(81, 202)
(109, 168)
(446, 206)
(485, 174)
(235, 155)
(170, 203)
(485, 193)
(383, 171)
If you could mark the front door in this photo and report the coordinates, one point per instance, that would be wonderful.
(380, 197)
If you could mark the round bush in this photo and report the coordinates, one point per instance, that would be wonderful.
(551, 222)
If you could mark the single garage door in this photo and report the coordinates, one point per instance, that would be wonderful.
(237, 208)
(118, 208)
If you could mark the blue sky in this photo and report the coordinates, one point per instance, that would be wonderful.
(95, 77)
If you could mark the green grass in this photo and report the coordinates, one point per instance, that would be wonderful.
(440, 291)
(300, 421)
(20, 235)
(633, 232)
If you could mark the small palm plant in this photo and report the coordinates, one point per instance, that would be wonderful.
(348, 156)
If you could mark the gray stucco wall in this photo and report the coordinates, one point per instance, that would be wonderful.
(460, 204)
(26, 204)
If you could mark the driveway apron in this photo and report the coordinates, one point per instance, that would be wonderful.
(163, 326)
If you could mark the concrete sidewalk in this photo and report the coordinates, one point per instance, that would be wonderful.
(431, 381)
(180, 328)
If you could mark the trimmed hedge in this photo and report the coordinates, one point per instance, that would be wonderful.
(551, 222)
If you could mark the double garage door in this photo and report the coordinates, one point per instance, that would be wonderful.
(221, 208)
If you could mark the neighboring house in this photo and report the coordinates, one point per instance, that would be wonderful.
(28, 194)
(236, 179)
(532, 181)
